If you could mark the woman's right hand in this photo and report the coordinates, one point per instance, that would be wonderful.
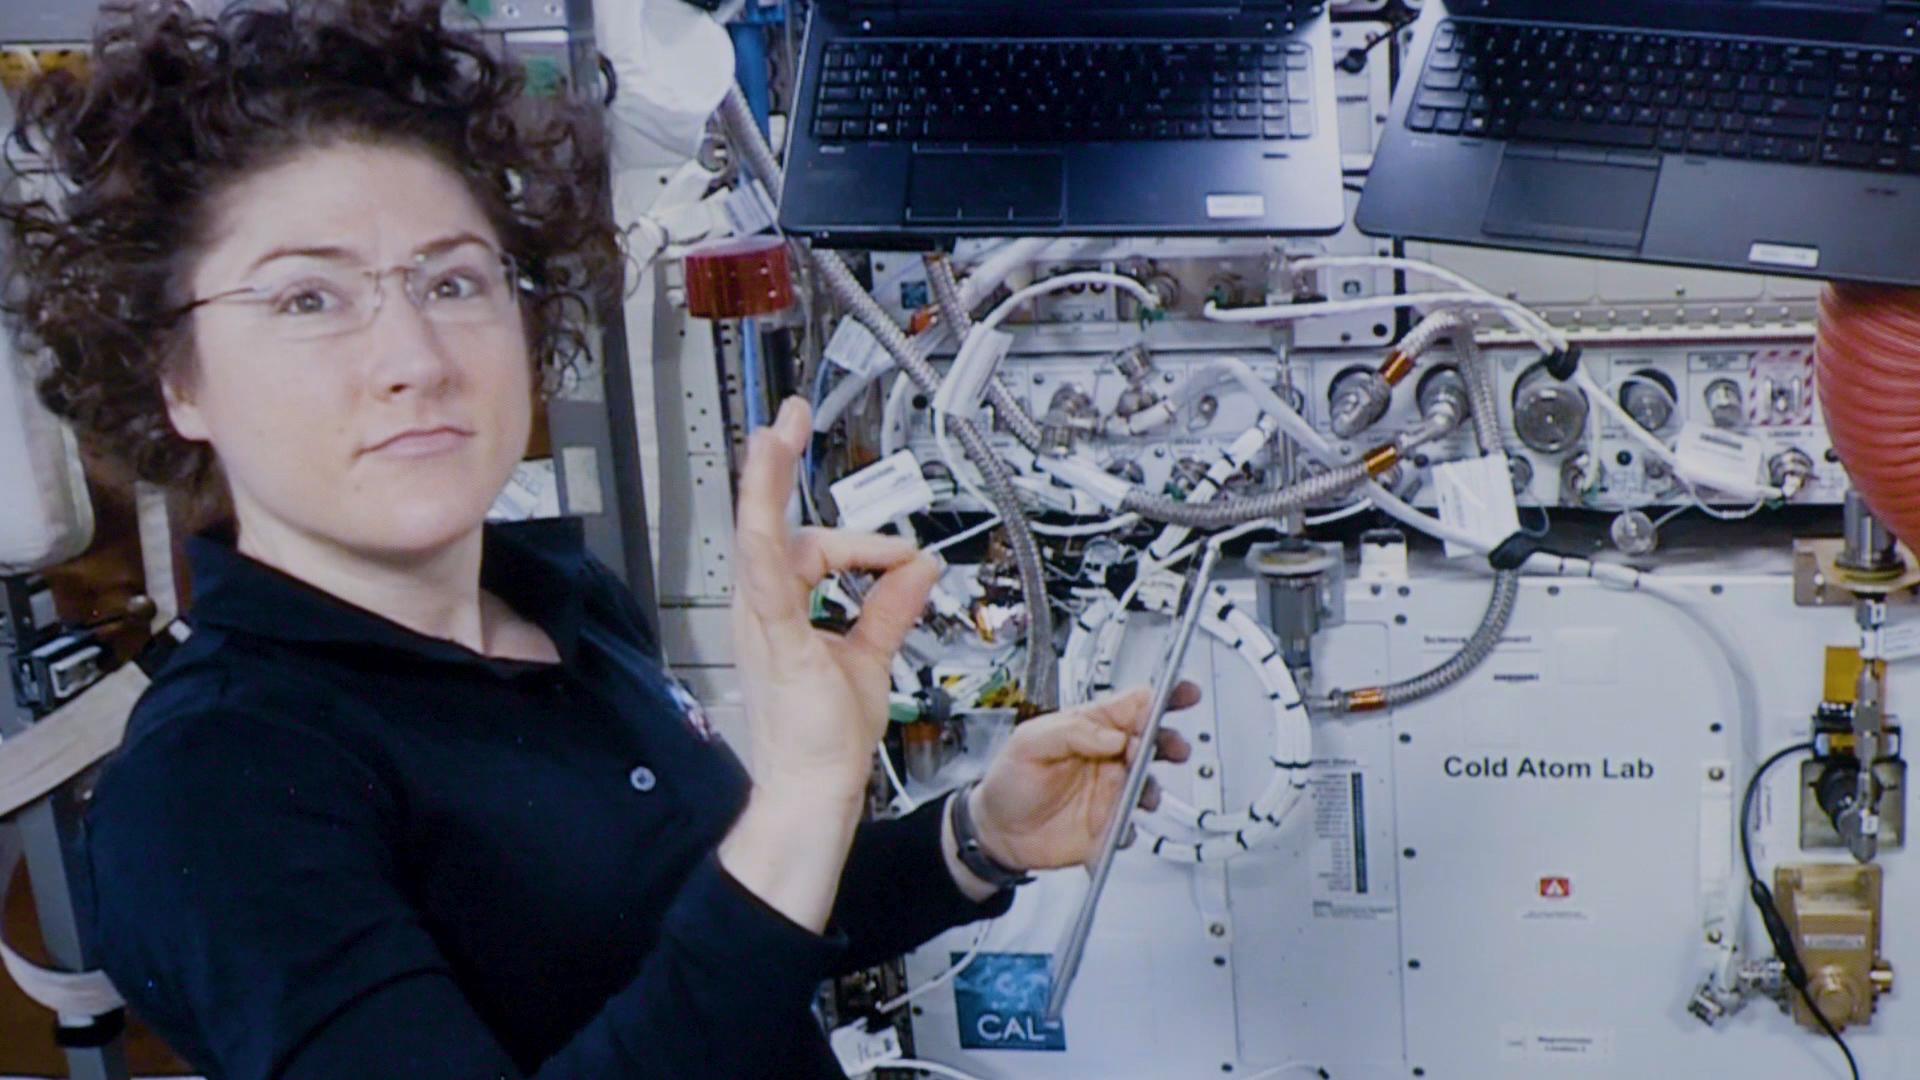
(816, 701)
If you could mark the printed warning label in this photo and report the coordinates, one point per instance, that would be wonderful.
(1344, 878)
(1519, 1043)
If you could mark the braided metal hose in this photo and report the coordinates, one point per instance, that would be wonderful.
(1011, 411)
(1042, 665)
(1219, 515)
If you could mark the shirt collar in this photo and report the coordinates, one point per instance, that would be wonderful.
(537, 567)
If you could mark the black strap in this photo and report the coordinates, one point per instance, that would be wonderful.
(1564, 362)
(1514, 551)
(94, 1034)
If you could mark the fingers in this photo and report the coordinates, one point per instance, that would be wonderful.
(815, 553)
(1064, 736)
(773, 452)
(1150, 796)
(1171, 746)
(894, 605)
(1128, 711)
(760, 523)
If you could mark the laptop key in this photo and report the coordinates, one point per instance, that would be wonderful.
(1236, 129)
(1421, 119)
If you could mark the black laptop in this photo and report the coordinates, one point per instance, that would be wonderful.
(1759, 135)
(921, 120)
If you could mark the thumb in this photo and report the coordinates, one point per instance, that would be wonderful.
(894, 605)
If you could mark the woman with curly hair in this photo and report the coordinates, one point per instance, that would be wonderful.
(416, 799)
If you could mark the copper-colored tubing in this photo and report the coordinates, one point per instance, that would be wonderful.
(1868, 369)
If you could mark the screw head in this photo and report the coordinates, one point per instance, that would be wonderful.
(1217, 929)
(1716, 774)
(1206, 772)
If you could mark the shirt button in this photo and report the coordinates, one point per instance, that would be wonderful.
(642, 779)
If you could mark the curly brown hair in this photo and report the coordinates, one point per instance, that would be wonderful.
(176, 108)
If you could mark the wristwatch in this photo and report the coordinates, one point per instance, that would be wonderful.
(972, 855)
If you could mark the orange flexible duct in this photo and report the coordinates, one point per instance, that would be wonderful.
(1868, 367)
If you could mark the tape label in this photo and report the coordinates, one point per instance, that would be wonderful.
(1792, 255)
(1476, 497)
(1719, 459)
(1236, 206)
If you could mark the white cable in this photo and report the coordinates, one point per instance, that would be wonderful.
(1351, 510)
(1094, 528)
(962, 537)
(907, 802)
(1275, 313)
(945, 977)
(1508, 306)
(931, 1068)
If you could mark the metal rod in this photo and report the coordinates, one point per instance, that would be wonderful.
(1168, 678)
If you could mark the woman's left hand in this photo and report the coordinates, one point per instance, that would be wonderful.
(1048, 795)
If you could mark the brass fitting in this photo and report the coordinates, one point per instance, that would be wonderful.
(1381, 458)
(1395, 367)
(1372, 699)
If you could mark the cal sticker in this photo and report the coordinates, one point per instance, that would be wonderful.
(1236, 206)
(1799, 258)
(1001, 1003)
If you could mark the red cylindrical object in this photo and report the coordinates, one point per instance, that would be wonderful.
(1868, 366)
(742, 278)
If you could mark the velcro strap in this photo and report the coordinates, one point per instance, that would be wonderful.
(1514, 551)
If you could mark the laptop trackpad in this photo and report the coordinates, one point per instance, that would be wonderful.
(1592, 201)
(984, 188)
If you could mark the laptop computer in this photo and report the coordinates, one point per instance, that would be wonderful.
(1776, 136)
(922, 120)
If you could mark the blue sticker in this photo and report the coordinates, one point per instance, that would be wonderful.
(1001, 999)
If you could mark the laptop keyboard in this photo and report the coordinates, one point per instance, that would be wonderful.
(1078, 91)
(1850, 108)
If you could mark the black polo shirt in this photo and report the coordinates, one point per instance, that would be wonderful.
(334, 848)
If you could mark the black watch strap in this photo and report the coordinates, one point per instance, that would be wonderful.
(972, 855)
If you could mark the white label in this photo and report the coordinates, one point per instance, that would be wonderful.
(855, 350)
(1555, 1044)
(1724, 460)
(889, 488)
(749, 210)
(582, 464)
(1476, 497)
(1900, 641)
(531, 492)
(1800, 258)
(1346, 875)
(1834, 942)
(860, 1051)
(1236, 206)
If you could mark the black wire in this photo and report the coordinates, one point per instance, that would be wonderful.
(1746, 802)
(1776, 925)
(1355, 61)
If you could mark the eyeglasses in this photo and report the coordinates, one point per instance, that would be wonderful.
(305, 298)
